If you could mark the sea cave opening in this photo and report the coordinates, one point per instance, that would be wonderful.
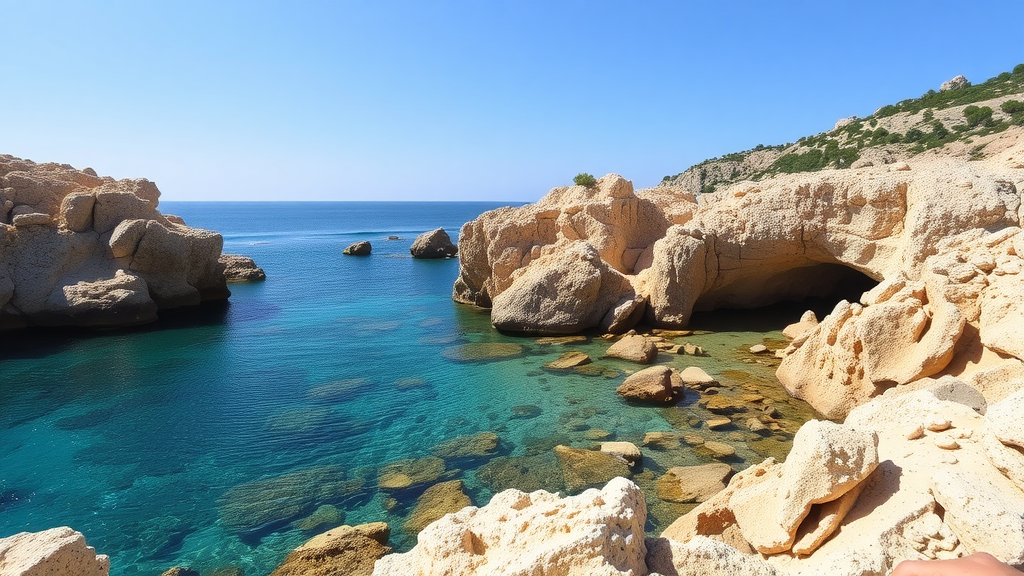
(771, 302)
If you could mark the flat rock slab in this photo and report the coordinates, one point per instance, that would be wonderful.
(693, 483)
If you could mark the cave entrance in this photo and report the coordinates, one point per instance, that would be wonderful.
(817, 287)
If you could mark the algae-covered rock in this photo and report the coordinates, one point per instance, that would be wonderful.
(435, 502)
(326, 516)
(263, 503)
(479, 445)
(482, 351)
(410, 472)
(568, 360)
(527, 473)
(585, 468)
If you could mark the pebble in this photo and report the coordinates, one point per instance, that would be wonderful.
(758, 349)
(914, 432)
(946, 443)
(716, 423)
(719, 449)
(693, 439)
(939, 424)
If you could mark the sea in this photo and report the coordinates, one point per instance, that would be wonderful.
(333, 393)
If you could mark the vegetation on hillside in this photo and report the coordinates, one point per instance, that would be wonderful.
(841, 147)
(584, 179)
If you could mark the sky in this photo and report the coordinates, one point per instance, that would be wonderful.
(459, 99)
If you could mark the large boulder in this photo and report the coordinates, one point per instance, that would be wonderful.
(634, 348)
(361, 248)
(57, 551)
(657, 384)
(599, 532)
(350, 550)
(567, 292)
(433, 244)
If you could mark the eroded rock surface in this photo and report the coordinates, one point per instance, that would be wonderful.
(599, 532)
(77, 249)
(55, 551)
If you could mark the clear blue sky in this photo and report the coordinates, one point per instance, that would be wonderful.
(459, 100)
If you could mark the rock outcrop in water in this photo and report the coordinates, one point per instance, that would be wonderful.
(77, 249)
(433, 244)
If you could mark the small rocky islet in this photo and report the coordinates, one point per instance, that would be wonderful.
(918, 381)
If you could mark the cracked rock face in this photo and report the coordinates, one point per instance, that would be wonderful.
(941, 235)
(598, 532)
(80, 250)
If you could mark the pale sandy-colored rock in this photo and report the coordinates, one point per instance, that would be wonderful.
(827, 460)
(599, 532)
(758, 349)
(80, 242)
(702, 556)
(695, 377)
(350, 550)
(635, 349)
(567, 292)
(693, 483)
(626, 451)
(657, 384)
(57, 551)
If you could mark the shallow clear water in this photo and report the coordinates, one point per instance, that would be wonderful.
(148, 441)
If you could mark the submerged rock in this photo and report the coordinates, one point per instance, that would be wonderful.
(435, 502)
(480, 445)
(276, 500)
(410, 472)
(585, 468)
(693, 483)
(482, 351)
(568, 360)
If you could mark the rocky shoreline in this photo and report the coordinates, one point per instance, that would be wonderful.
(77, 249)
(921, 380)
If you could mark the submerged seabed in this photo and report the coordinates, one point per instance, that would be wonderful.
(229, 436)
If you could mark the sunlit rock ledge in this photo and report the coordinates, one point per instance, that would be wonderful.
(77, 249)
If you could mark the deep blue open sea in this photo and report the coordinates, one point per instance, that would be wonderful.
(227, 436)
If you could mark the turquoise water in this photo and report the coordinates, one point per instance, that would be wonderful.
(149, 441)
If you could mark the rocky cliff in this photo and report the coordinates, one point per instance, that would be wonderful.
(77, 249)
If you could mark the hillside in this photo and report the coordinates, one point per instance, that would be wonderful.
(961, 120)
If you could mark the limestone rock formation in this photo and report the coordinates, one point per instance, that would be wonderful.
(599, 532)
(54, 551)
(350, 550)
(440, 499)
(954, 83)
(693, 483)
(241, 269)
(361, 248)
(657, 384)
(940, 238)
(433, 244)
(80, 250)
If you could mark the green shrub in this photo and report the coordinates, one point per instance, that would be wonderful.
(584, 179)
(928, 115)
(1018, 69)
(913, 135)
(1012, 106)
(978, 116)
